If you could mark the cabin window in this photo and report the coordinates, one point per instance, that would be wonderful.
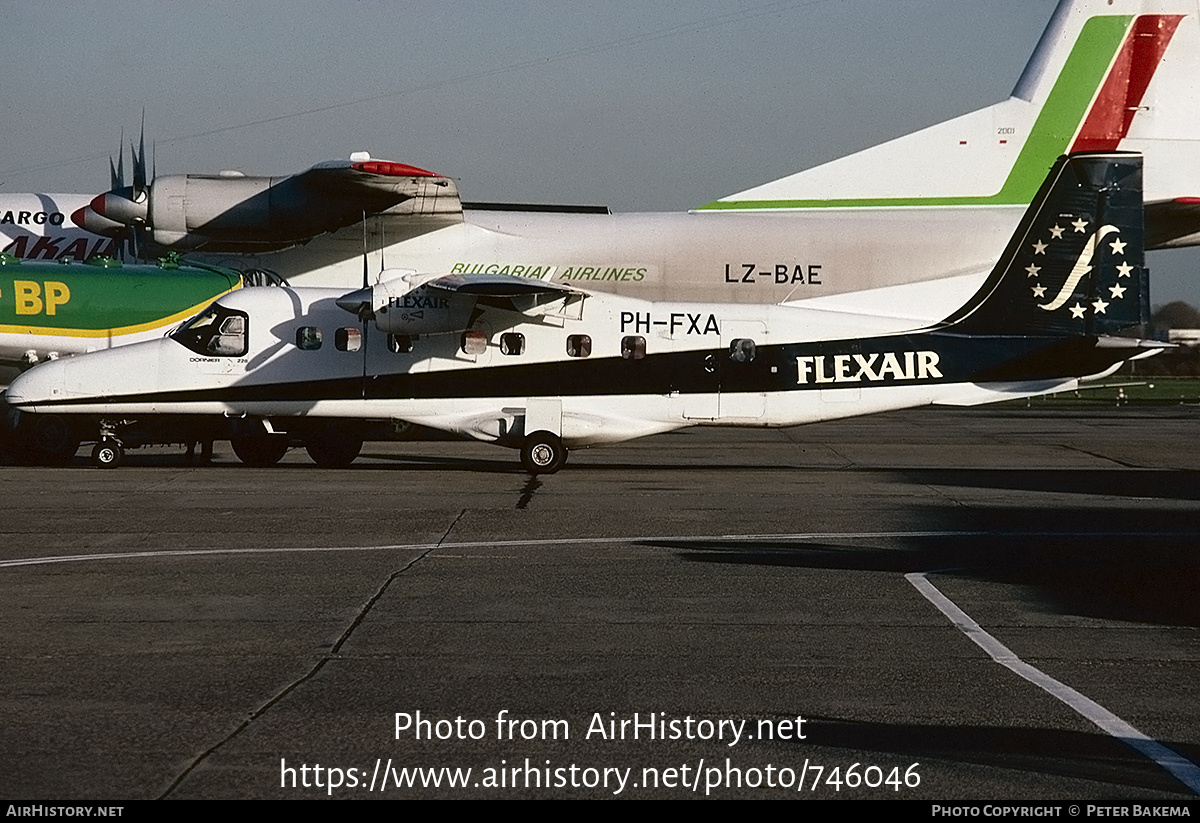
(579, 345)
(633, 347)
(308, 338)
(215, 332)
(473, 342)
(348, 339)
(742, 350)
(512, 343)
(400, 343)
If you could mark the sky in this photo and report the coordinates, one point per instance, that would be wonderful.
(641, 106)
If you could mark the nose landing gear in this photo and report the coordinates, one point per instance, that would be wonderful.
(108, 453)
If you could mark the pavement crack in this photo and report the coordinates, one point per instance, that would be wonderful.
(945, 495)
(1102, 457)
(333, 653)
(442, 540)
(366, 609)
(849, 464)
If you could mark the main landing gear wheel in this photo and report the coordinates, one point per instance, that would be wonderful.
(333, 451)
(54, 442)
(543, 453)
(108, 454)
(259, 449)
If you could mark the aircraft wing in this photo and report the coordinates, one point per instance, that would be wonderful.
(1173, 223)
(233, 212)
(446, 303)
(529, 296)
(379, 185)
(499, 285)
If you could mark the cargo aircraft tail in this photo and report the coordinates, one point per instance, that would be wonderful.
(1106, 75)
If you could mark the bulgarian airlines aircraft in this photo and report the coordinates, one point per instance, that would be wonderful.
(1106, 75)
(544, 366)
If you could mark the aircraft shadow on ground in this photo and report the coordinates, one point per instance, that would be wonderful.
(1076, 755)
(505, 464)
(1113, 564)
(506, 461)
(1166, 484)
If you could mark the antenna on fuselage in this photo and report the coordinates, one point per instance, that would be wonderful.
(365, 268)
(382, 242)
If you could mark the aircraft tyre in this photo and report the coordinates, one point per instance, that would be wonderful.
(108, 454)
(334, 451)
(543, 453)
(259, 449)
(48, 441)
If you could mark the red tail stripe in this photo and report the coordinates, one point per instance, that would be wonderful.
(1108, 121)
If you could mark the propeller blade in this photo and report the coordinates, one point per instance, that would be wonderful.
(116, 177)
(139, 172)
(139, 162)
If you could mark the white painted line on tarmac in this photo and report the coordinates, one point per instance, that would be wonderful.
(474, 544)
(1179, 766)
(799, 537)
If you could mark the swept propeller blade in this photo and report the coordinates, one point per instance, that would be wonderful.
(116, 174)
(139, 162)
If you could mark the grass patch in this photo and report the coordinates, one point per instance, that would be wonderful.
(1119, 391)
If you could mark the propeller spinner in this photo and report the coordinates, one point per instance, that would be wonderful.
(122, 211)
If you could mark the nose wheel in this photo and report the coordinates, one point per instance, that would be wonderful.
(108, 453)
(543, 453)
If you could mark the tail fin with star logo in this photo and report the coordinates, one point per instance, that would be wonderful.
(1075, 266)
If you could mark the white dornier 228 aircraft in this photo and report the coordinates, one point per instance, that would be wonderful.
(544, 366)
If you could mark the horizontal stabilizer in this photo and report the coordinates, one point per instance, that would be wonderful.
(1173, 223)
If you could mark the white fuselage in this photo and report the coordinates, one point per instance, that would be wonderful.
(441, 384)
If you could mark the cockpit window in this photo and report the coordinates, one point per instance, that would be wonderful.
(215, 332)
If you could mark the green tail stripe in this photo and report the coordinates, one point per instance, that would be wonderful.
(1060, 118)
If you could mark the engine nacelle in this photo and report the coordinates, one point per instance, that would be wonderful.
(399, 307)
(195, 211)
